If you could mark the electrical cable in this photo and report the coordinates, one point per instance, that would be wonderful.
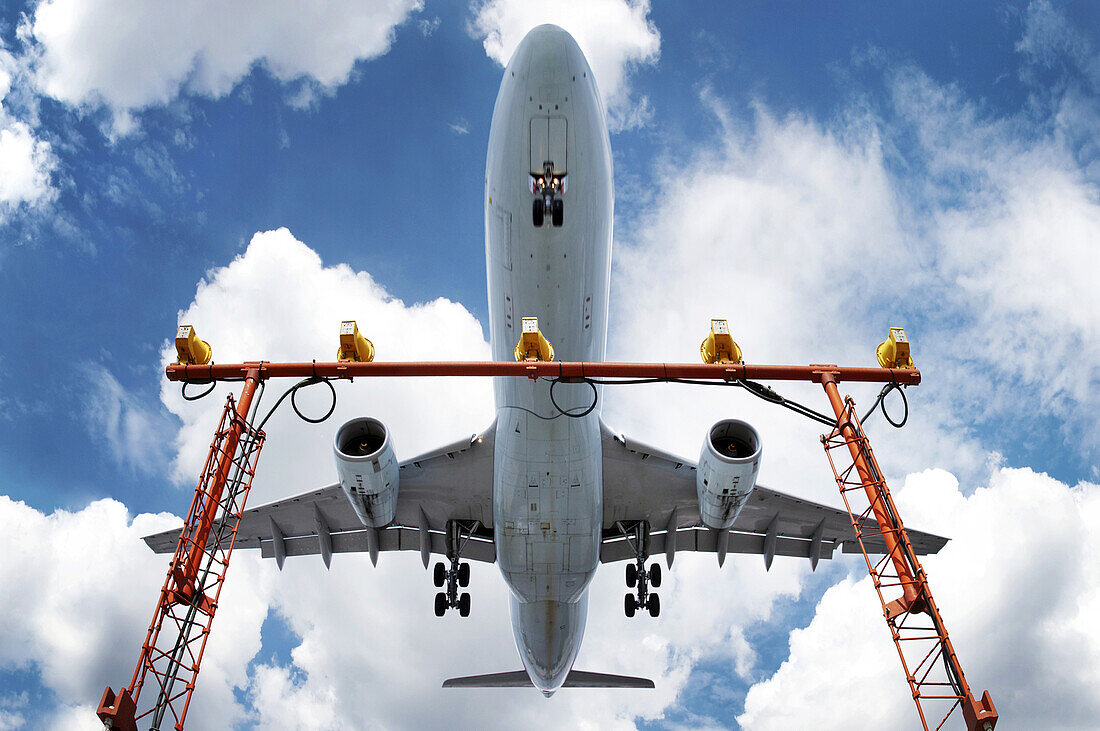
(572, 413)
(880, 404)
(204, 394)
(293, 393)
(532, 413)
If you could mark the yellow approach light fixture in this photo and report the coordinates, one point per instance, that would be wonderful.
(718, 347)
(532, 344)
(894, 351)
(353, 346)
(190, 349)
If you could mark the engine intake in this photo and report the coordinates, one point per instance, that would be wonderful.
(368, 470)
(728, 467)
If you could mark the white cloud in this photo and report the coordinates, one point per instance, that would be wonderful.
(615, 35)
(277, 301)
(1018, 587)
(79, 590)
(26, 162)
(132, 54)
(133, 432)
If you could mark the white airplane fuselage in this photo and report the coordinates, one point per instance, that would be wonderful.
(547, 485)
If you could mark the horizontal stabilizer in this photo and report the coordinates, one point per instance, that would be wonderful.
(575, 679)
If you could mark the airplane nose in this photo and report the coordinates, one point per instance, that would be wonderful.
(548, 51)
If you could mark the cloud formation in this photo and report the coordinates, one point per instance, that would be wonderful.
(1018, 588)
(132, 432)
(26, 162)
(79, 590)
(615, 35)
(128, 55)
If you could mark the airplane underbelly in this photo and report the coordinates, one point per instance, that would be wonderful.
(548, 486)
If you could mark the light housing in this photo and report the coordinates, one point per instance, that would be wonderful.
(353, 346)
(718, 346)
(532, 344)
(190, 349)
(894, 351)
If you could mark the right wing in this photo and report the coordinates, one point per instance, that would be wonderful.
(642, 483)
(447, 487)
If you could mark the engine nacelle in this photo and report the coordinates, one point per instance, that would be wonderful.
(728, 466)
(368, 471)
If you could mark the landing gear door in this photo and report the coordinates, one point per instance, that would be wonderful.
(557, 144)
(548, 144)
(540, 144)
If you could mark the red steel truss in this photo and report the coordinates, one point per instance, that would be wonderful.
(928, 658)
(173, 649)
(172, 653)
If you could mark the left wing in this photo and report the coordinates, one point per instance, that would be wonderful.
(642, 483)
(443, 496)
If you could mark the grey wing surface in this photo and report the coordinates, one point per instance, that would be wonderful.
(453, 484)
(642, 483)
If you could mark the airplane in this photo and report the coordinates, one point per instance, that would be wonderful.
(548, 491)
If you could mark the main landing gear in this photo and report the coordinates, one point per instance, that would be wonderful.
(458, 574)
(637, 537)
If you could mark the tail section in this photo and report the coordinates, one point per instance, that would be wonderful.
(575, 679)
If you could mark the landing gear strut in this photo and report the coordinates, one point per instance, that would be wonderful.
(637, 537)
(458, 575)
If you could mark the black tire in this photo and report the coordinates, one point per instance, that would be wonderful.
(557, 212)
(440, 604)
(464, 605)
(538, 212)
(631, 575)
(464, 574)
(655, 575)
(439, 575)
(630, 605)
(654, 605)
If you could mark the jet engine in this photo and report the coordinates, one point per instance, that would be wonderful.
(367, 468)
(728, 466)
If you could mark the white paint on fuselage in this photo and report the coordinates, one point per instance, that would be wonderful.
(548, 489)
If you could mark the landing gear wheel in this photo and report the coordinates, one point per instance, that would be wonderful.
(631, 575)
(630, 605)
(439, 574)
(538, 212)
(557, 212)
(440, 604)
(464, 605)
(464, 574)
(655, 575)
(654, 605)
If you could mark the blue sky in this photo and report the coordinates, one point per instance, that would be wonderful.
(815, 172)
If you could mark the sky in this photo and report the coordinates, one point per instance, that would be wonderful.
(813, 172)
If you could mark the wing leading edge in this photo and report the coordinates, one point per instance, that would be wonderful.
(642, 483)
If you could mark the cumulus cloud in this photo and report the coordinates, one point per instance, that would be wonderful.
(79, 589)
(278, 301)
(132, 54)
(26, 162)
(615, 35)
(1018, 588)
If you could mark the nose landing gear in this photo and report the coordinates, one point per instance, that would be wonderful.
(457, 575)
(547, 187)
(637, 577)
